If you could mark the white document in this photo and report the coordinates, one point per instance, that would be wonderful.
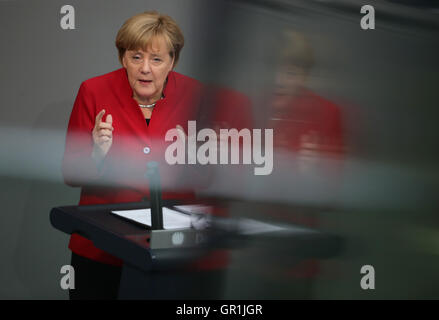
(171, 219)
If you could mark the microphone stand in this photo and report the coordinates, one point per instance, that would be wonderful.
(153, 175)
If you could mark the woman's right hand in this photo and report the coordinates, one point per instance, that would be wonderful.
(102, 136)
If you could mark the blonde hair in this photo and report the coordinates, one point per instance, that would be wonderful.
(139, 31)
(297, 50)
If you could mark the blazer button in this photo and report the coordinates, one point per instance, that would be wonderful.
(146, 150)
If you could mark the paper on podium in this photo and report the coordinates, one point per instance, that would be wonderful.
(171, 219)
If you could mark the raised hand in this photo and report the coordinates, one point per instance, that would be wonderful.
(102, 136)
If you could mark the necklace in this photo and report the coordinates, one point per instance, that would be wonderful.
(149, 106)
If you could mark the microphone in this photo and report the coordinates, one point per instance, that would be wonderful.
(153, 175)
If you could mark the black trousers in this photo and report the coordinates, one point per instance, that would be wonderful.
(94, 280)
(99, 281)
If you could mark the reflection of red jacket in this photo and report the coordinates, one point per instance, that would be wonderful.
(134, 144)
(308, 119)
(308, 125)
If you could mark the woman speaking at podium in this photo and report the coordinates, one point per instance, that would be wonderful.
(118, 124)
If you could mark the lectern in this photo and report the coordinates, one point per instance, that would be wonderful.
(155, 265)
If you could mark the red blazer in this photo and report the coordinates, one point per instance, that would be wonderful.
(121, 176)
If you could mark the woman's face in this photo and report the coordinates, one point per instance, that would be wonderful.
(147, 70)
(290, 80)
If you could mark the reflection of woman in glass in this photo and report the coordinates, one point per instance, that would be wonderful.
(308, 127)
(302, 120)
